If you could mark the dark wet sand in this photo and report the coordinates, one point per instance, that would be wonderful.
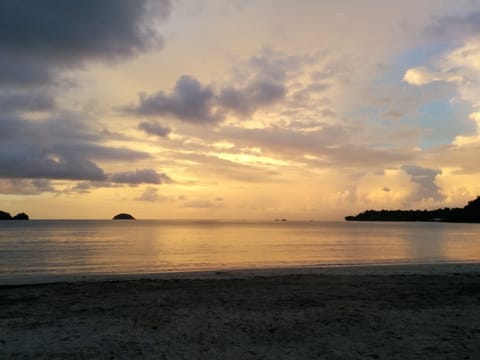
(300, 316)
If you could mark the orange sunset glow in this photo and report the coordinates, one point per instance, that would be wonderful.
(238, 109)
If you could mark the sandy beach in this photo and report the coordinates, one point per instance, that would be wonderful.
(409, 312)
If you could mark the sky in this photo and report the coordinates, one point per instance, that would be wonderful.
(229, 109)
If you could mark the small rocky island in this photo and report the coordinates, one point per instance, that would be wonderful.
(470, 213)
(123, 216)
(6, 216)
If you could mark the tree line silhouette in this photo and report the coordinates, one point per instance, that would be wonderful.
(469, 213)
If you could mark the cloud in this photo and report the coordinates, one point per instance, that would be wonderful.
(393, 114)
(144, 176)
(188, 101)
(475, 117)
(18, 70)
(263, 80)
(420, 76)
(38, 37)
(460, 159)
(331, 145)
(460, 67)
(25, 187)
(116, 180)
(456, 26)
(26, 101)
(390, 188)
(21, 160)
(191, 101)
(43, 185)
(200, 204)
(255, 95)
(259, 82)
(464, 62)
(151, 194)
(152, 128)
(62, 147)
(276, 65)
(205, 166)
(82, 187)
(425, 180)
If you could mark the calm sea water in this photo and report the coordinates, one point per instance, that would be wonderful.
(63, 247)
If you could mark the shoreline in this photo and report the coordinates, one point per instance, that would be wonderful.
(444, 268)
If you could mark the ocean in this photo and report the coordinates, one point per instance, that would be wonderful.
(43, 249)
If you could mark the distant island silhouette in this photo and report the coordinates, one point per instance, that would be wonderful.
(470, 213)
(123, 216)
(6, 216)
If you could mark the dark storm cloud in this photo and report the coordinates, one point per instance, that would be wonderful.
(152, 128)
(144, 176)
(55, 148)
(189, 101)
(28, 149)
(425, 179)
(71, 28)
(21, 70)
(29, 101)
(193, 102)
(66, 134)
(38, 36)
(24, 161)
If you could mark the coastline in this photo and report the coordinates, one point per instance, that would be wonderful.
(434, 268)
(394, 312)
